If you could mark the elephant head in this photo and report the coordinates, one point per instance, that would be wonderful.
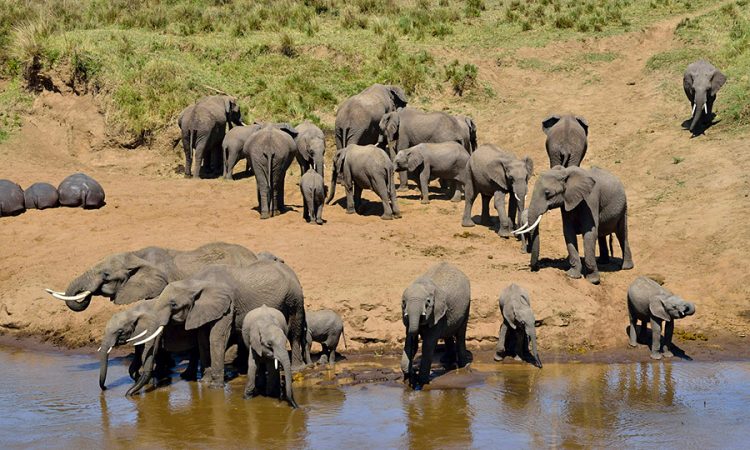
(269, 341)
(193, 303)
(470, 130)
(408, 159)
(512, 174)
(422, 304)
(559, 187)
(232, 111)
(702, 82)
(123, 278)
(123, 327)
(398, 97)
(338, 169)
(669, 306)
(312, 150)
(518, 315)
(389, 126)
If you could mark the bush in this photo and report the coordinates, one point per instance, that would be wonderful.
(461, 77)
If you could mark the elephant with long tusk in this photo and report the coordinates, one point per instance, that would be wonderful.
(593, 203)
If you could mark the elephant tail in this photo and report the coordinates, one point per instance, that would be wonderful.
(271, 196)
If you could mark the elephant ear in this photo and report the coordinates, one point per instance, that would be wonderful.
(496, 171)
(578, 186)
(687, 83)
(583, 123)
(717, 81)
(288, 129)
(212, 302)
(145, 281)
(229, 103)
(509, 314)
(339, 160)
(472, 132)
(441, 305)
(657, 308)
(529, 167)
(398, 96)
(389, 124)
(414, 160)
(549, 122)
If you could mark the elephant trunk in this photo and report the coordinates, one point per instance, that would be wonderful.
(415, 313)
(332, 191)
(318, 162)
(690, 309)
(86, 282)
(532, 340)
(699, 104)
(148, 367)
(283, 357)
(103, 364)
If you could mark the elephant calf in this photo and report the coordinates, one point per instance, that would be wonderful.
(515, 306)
(311, 147)
(649, 301)
(325, 326)
(80, 189)
(41, 196)
(425, 162)
(11, 199)
(264, 332)
(435, 306)
(313, 196)
(702, 82)
(232, 148)
(567, 139)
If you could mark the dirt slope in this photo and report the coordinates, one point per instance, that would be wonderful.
(688, 221)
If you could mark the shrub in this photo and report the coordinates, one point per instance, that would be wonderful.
(461, 77)
(286, 46)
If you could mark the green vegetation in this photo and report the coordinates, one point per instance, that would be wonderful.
(721, 36)
(284, 59)
(13, 100)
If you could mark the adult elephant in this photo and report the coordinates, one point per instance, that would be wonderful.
(214, 302)
(567, 139)
(11, 199)
(311, 147)
(203, 126)
(365, 167)
(408, 127)
(702, 82)
(232, 148)
(358, 117)
(493, 173)
(593, 204)
(142, 274)
(271, 150)
(81, 190)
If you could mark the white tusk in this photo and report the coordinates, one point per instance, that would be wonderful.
(705, 108)
(61, 296)
(693, 112)
(523, 227)
(99, 349)
(275, 363)
(153, 336)
(136, 337)
(516, 196)
(110, 349)
(531, 228)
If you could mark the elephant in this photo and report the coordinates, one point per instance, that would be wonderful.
(425, 162)
(593, 203)
(365, 167)
(269, 256)
(142, 274)
(313, 195)
(80, 189)
(702, 82)
(325, 326)
(130, 326)
(435, 306)
(11, 199)
(311, 147)
(518, 318)
(271, 150)
(469, 129)
(41, 196)
(357, 117)
(567, 139)
(647, 300)
(232, 147)
(264, 332)
(215, 300)
(408, 127)
(202, 126)
(492, 172)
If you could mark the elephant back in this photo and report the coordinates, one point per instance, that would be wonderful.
(81, 190)
(11, 198)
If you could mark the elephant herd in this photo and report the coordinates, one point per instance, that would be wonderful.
(77, 190)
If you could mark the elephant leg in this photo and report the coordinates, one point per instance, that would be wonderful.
(350, 209)
(273, 380)
(668, 330)
(449, 353)
(655, 338)
(462, 354)
(469, 197)
(357, 197)
(622, 239)
(191, 371)
(204, 353)
(403, 178)
(280, 205)
(135, 365)
(394, 200)
(457, 188)
(603, 250)
(252, 368)
(520, 343)
(188, 153)
(485, 210)
(296, 337)
(589, 256)
(261, 184)
(407, 357)
(381, 188)
(201, 142)
(632, 332)
(512, 211)
(218, 337)
(500, 347)
(305, 208)
(425, 364)
(574, 259)
(424, 183)
(324, 355)
(504, 227)
(319, 214)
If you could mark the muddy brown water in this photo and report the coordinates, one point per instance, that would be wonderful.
(51, 400)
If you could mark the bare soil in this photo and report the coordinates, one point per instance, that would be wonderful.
(688, 219)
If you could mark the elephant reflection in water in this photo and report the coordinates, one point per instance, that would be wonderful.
(449, 407)
(645, 383)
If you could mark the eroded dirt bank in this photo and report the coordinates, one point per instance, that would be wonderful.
(688, 221)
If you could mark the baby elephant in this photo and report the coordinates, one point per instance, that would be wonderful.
(325, 326)
(649, 301)
(518, 318)
(81, 190)
(264, 332)
(11, 199)
(313, 195)
(41, 196)
(425, 162)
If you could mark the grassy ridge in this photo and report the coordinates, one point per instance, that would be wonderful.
(287, 59)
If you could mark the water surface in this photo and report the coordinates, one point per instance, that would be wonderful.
(51, 400)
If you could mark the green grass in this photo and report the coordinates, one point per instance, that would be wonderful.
(285, 59)
(722, 37)
(14, 101)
